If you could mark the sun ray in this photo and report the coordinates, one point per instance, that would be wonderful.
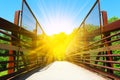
(61, 16)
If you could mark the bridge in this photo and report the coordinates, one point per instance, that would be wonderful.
(97, 58)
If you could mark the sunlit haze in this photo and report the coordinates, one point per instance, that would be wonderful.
(61, 15)
(59, 24)
(58, 19)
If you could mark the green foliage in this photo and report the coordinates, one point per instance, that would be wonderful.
(3, 73)
(91, 27)
(3, 66)
(112, 19)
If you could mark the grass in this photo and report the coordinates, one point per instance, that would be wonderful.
(3, 73)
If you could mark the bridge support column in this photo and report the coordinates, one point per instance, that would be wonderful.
(105, 22)
(13, 42)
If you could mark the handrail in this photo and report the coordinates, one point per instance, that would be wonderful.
(23, 63)
(97, 2)
(14, 28)
(100, 47)
(15, 50)
(94, 54)
(24, 1)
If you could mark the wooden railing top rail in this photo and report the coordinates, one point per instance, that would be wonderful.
(6, 25)
(114, 26)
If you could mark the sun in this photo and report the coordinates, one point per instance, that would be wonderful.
(59, 24)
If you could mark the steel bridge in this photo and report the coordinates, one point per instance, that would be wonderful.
(99, 53)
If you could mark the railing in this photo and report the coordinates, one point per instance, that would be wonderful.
(101, 50)
(96, 54)
(11, 55)
(17, 41)
(29, 21)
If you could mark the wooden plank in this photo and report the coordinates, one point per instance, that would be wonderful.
(114, 26)
(115, 47)
(9, 47)
(6, 25)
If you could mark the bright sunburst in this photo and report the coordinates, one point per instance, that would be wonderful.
(58, 18)
(53, 47)
(61, 15)
(60, 24)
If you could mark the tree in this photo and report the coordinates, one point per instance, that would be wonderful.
(112, 19)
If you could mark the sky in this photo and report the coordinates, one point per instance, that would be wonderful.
(58, 15)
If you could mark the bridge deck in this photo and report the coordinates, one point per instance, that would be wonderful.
(61, 70)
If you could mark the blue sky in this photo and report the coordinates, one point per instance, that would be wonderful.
(58, 15)
(8, 7)
(111, 6)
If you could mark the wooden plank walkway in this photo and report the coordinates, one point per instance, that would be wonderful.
(62, 70)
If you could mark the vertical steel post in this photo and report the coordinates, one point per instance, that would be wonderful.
(14, 42)
(105, 22)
